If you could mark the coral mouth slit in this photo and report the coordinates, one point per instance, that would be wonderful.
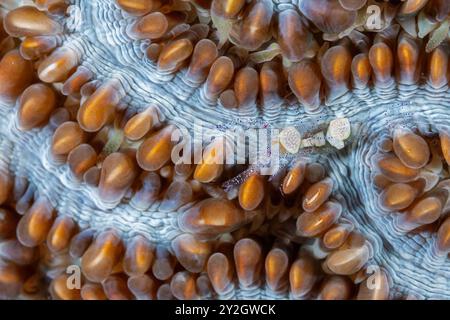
(92, 93)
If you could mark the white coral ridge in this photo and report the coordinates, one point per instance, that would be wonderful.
(338, 131)
(290, 139)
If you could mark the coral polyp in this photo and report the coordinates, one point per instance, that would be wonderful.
(224, 149)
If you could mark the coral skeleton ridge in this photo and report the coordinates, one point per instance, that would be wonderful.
(102, 101)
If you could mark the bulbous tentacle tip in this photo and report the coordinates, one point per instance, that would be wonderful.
(35, 225)
(391, 167)
(164, 292)
(58, 66)
(310, 224)
(412, 150)
(246, 86)
(81, 242)
(54, 7)
(398, 196)
(248, 257)
(305, 81)
(92, 291)
(16, 74)
(81, 159)
(254, 29)
(302, 276)
(191, 253)
(139, 256)
(178, 194)
(412, 7)
(438, 68)
(117, 174)
(212, 217)
(156, 150)
(140, 124)
(271, 79)
(251, 192)
(28, 21)
(228, 99)
(59, 290)
(382, 62)
(217, 253)
(98, 109)
(8, 223)
(445, 145)
(228, 9)
(329, 16)
(409, 57)
(336, 288)
(92, 176)
(375, 287)
(293, 36)
(61, 233)
(139, 7)
(352, 5)
(73, 85)
(102, 256)
(115, 288)
(143, 287)
(36, 104)
(183, 286)
(317, 194)
(336, 68)
(294, 178)
(163, 267)
(443, 238)
(211, 165)
(174, 55)
(12, 278)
